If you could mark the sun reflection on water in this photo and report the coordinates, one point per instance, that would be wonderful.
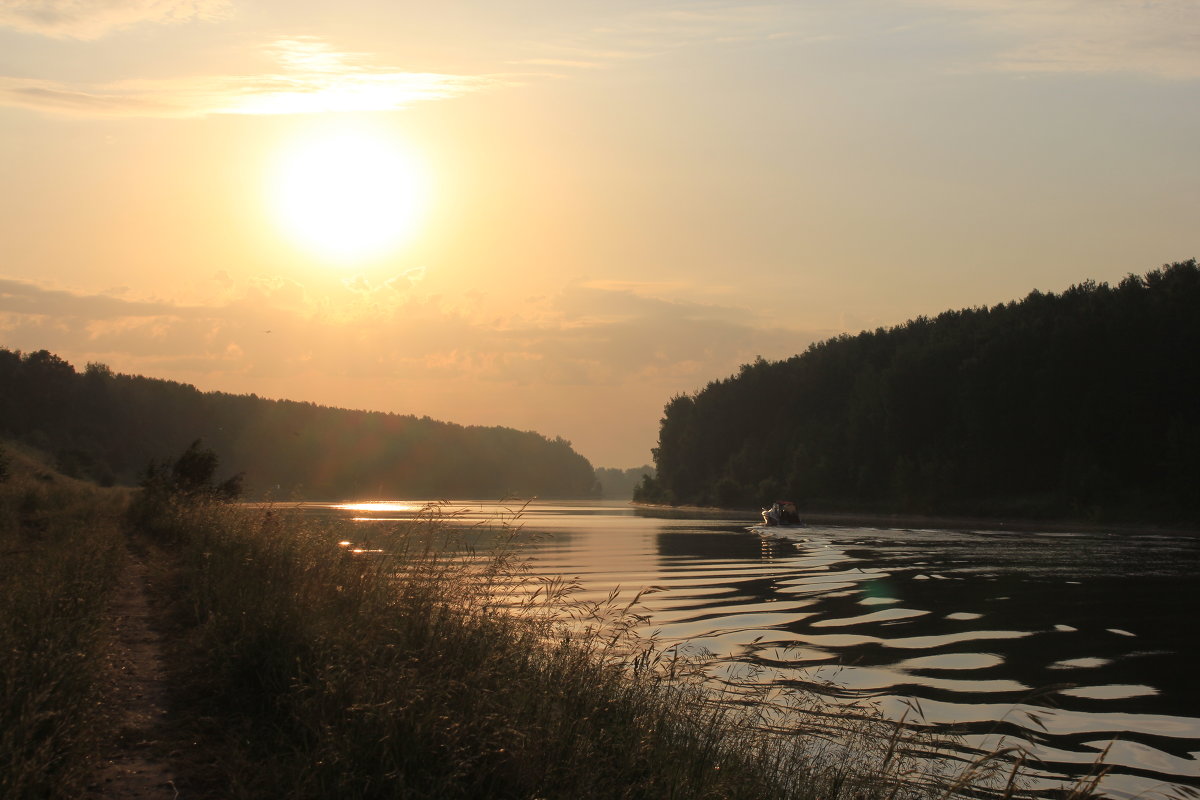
(380, 506)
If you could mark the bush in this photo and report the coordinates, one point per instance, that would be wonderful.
(191, 477)
(167, 488)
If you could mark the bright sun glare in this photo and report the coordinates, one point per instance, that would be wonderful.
(349, 196)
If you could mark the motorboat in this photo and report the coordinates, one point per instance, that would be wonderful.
(780, 522)
(781, 512)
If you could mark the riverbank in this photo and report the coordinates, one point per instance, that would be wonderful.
(863, 519)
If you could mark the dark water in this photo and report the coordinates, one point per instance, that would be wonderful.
(1073, 644)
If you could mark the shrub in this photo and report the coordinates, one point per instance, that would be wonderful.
(191, 477)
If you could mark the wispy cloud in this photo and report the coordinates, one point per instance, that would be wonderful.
(386, 289)
(313, 78)
(92, 19)
(677, 290)
(650, 32)
(562, 63)
(1151, 37)
(23, 298)
(1155, 37)
(696, 23)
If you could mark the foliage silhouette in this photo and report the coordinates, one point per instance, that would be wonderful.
(1081, 404)
(107, 426)
(191, 477)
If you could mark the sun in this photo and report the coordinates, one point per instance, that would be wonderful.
(349, 196)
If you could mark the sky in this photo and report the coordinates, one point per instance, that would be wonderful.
(555, 215)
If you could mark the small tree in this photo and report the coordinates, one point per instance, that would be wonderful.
(190, 477)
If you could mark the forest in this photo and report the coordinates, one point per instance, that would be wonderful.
(1080, 405)
(108, 427)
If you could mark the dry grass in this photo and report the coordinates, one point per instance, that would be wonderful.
(61, 550)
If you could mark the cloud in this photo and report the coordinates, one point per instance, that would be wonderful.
(635, 287)
(1150, 37)
(715, 21)
(648, 32)
(580, 337)
(601, 337)
(1159, 38)
(92, 19)
(19, 297)
(313, 78)
(361, 285)
(569, 63)
(408, 278)
(675, 290)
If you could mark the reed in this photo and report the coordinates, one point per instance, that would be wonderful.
(61, 550)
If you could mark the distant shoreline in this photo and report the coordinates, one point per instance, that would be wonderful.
(860, 519)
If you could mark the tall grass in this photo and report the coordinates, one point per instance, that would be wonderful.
(433, 669)
(61, 550)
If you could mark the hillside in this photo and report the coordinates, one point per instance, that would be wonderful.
(1080, 404)
(107, 427)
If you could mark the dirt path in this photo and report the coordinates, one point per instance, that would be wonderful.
(136, 763)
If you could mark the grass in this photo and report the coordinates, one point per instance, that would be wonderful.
(61, 550)
(433, 669)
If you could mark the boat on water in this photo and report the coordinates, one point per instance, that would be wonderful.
(780, 521)
(781, 512)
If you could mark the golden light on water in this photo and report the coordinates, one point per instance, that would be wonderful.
(381, 506)
(349, 195)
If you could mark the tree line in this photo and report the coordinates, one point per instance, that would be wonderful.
(108, 427)
(1082, 404)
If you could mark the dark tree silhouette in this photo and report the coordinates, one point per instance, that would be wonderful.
(106, 427)
(191, 477)
(1080, 404)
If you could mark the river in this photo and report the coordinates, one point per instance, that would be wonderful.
(1080, 646)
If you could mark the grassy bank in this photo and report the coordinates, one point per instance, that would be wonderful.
(434, 670)
(61, 550)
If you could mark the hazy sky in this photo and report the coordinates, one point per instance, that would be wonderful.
(555, 215)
